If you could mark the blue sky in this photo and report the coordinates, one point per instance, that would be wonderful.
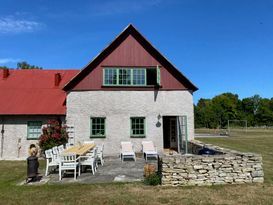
(220, 45)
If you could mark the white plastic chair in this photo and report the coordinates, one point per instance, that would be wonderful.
(50, 160)
(56, 153)
(127, 151)
(149, 150)
(68, 162)
(60, 149)
(100, 149)
(90, 160)
(67, 145)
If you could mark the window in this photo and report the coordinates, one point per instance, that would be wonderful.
(97, 127)
(137, 126)
(131, 76)
(34, 129)
(139, 76)
(110, 76)
(124, 76)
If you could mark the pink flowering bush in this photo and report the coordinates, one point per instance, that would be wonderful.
(54, 134)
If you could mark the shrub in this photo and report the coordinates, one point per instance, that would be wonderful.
(153, 179)
(54, 134)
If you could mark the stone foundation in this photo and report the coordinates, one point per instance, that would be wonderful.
(226, 167)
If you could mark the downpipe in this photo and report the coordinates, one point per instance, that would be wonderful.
(2, 137)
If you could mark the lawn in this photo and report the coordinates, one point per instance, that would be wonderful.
(12, 172)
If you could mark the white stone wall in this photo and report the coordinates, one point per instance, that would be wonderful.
(16, 128)
(226, 167)
(119, 106)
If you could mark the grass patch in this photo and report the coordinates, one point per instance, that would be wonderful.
(254, 140)
(12, 172)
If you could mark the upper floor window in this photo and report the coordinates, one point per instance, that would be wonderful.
(131, 76)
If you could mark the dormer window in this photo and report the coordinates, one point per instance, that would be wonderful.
(131, 76)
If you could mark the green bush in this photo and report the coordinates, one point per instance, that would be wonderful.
(153, 179)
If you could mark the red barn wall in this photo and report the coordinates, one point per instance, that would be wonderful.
(129, 53)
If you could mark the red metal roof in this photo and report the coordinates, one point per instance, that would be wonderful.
(33, 92)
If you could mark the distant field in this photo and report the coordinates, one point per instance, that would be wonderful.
(254, 140)
(258, 141)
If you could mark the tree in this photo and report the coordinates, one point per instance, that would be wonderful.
(215, 112)
(25, 65)
(225, 107)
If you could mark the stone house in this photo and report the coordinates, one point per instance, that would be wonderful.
(129, 92)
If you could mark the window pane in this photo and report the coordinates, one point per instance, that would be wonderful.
(98, 126)
(110, 76)
(124, 76)
(138, 76)
(138, 126)
(34, 129)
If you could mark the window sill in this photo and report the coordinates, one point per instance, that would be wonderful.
(98, 136)
(32, 138)
(137, 136)
(131, 86)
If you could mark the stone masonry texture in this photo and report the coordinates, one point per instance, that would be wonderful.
(118, 106)
(226, 167)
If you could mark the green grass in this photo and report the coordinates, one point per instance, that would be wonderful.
(254, 140)
(12, 172)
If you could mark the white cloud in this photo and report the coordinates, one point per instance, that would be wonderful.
(13, 25)
(8, 60)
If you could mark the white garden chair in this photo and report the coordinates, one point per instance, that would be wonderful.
(56, 153)
(60, 148)
(100, 149)
(68, 162)
(50, 160)
(67, 145)
(149, 150)
(90, 160)
(127, 151)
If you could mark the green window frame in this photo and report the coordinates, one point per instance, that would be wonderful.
(139, 76)
(158, 79)
(110, 76)
(34, 129)
(138, 127)
(124, 77)
(97, 127)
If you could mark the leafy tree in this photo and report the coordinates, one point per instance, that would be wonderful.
(25, 65)
(225, 107)
(215, 112)
(4, 67)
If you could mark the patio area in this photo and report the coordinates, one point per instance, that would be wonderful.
(113, 170)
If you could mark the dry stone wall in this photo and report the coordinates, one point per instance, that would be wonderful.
(226, 167)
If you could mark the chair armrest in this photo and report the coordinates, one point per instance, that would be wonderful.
(82, 157)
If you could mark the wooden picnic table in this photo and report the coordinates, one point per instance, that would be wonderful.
(79, 149)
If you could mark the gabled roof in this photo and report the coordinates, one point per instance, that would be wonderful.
(33, 92)
(129, 30)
